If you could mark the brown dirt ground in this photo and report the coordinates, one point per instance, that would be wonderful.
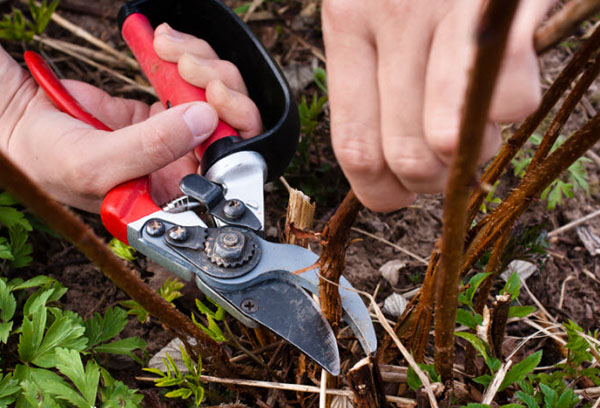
(415, 228)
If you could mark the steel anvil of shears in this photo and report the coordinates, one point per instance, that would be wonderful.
(212, 234)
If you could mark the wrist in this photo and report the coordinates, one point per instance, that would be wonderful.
(18, 88)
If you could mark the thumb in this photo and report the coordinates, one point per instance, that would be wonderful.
(150, 145)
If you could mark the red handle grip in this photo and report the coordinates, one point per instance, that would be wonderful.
(125, 203)
(164, 76)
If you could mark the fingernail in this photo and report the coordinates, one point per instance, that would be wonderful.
(167, 31)
(201, 119)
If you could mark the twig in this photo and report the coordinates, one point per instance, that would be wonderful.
(147, 89)
(546, 330)
(516, 141)
(385, 241)
(573, 224)
(491, 41)
(67, 224)
(563, 289)
(62, 45)
(567, 107)
(253, 6)
(405, 402)
(323, 390)
(563, 23)
(81, 33)
(491, 391)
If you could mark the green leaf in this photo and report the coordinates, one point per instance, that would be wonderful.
(7, 200)
(20, 249)
(465, 296)
(48, 384)
(568, 399)
(528, 399)
(123, 347)
(40, 280)
(169, 290)
(122, 250)
(521, 311)
(11, 217)
(476, 405)
(5, 329)
(117, 395)
(62, 333)
(5, 251)
(550, 396)
(86, 381)
(513, 286)
(484, 380)
(32, 331)
(8, 303)
(100, 328)
(134, 308)
(183, 393)
(520, 370)
(468, 319)
(8, 388)
(475, 341)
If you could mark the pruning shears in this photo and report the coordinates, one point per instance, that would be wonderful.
(213, 233)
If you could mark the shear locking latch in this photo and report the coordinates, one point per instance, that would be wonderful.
(232, 212)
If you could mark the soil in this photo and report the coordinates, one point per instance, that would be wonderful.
(567, 283)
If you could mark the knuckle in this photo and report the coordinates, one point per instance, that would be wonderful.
(341, 13)
(357, 152)
(419, 173)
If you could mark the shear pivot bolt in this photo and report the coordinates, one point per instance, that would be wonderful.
(178, 233)
(234, 209)
(155, 228)
(229, 246)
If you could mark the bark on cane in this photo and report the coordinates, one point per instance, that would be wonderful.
(332, 262)
(333, 257)
(491, 40)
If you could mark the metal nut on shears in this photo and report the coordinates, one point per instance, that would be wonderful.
(228, 247)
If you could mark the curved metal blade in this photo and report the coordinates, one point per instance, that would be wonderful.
(293, 258)
(288, 310)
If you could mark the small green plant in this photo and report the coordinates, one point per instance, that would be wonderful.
(187, 385)
(169, 290)
(15, 251)
(44, 350)
(122, 250)
(413, 380)
(16, 27)
(212, 330)
(576, 176)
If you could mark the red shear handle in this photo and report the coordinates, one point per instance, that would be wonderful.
(164, 76)
(125, 203)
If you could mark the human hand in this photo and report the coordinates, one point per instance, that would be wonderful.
(78, 164)
(397, 75)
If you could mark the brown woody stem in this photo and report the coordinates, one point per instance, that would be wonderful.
(491, 41)
(333, 257)
(567, 107)
(531, 187)
(68, 225)
(516, 141)
(563, 23)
